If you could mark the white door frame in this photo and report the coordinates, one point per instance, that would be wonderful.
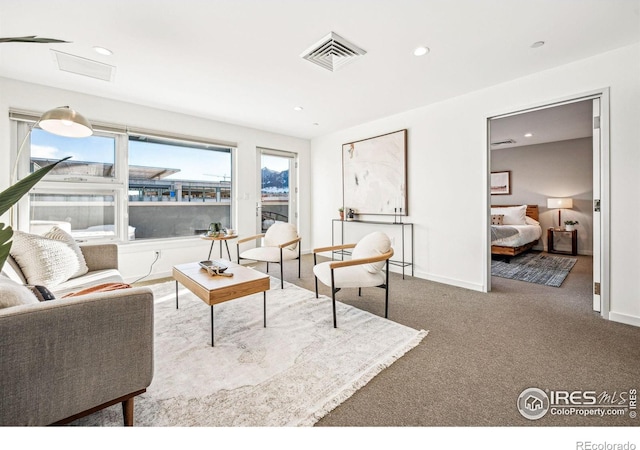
(601, 164)
(293, 184)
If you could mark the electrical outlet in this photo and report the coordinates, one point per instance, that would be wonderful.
(158, 254)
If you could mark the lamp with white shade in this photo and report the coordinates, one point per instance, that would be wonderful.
(559, 204)
(62, 121)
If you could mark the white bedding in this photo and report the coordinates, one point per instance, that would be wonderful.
(526, 234)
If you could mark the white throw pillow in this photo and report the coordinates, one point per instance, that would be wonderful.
(513, 215)
(45, 261)
(14, 294)
(61, 235)
(373, 244)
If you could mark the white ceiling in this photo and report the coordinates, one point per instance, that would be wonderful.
(558, 123)
(238, 60)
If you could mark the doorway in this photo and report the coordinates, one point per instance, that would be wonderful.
(583, 134)
(277, 199)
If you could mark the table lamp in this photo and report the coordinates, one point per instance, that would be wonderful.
(559, 204)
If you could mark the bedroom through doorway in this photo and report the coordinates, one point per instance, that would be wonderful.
(544, 174)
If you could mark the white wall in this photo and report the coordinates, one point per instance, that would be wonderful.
(448, 165)
(136, 257)
(555, 169)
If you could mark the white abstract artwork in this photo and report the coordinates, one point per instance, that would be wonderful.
(374, 174)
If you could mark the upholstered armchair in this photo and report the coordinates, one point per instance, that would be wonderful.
(279, 244)
(368, 267)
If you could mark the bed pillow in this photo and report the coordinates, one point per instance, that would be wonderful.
(531, 221)
(14, 294)
(47, 261)
(513, 215)
(497, 219)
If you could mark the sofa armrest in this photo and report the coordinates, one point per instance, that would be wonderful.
(62, 357)
(101, 256)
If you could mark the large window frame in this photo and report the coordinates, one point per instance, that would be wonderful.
(116, 186)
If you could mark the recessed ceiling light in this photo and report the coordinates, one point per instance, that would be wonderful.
(103, 51)
(421, 51)
(528, 135)
(537, 44)
(298, 108)
(315, 124)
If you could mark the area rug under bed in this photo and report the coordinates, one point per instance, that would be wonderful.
(539, 268)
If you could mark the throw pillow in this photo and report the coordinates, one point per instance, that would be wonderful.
(373, 244)
(45, 261)
(14, 294)
(60, 235)
(42, 293)
(497, 219)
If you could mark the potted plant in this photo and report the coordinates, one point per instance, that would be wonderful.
(10, 197)
(341, 211)
(570, 225)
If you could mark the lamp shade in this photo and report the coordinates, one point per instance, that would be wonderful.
(560, 203)
(65, 121)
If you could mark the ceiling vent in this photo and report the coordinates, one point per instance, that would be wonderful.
(505, 142)
(84, 66)
(332, 52)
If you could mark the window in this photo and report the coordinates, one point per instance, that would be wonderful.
(117, 186)
(177, 189)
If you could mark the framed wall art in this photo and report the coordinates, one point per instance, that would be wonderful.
(501, 183)
(374, 174)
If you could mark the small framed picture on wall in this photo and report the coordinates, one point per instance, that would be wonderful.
(501, 183)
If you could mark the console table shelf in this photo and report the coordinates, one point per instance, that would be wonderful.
(406, 234)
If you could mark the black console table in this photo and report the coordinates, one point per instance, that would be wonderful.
(402, 262)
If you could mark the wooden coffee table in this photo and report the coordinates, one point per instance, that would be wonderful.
(217, 289)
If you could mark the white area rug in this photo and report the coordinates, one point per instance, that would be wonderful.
(289, 374)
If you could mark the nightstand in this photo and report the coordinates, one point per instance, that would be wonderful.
(551, 232)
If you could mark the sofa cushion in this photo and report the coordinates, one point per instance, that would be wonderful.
(47, 260)
(104, 287)
(92, 278)
(14, 294)
(373, 244)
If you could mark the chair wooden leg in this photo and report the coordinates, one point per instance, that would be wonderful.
(359, 292)
(127, 412)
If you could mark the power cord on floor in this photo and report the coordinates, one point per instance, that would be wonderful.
(150, 269)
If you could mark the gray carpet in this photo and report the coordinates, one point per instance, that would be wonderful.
(484, 349)
(532, 267)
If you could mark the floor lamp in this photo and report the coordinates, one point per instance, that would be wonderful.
(559, 204)
(62, 121)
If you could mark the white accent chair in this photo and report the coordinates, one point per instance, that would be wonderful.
(365, 268)
(279, 244)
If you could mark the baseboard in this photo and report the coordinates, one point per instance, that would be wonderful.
(450, 281)
(625, 318)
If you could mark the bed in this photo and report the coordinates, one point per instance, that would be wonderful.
(514, 229)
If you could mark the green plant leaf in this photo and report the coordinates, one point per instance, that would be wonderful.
(10, 197)
(12, 194)
(5, 244)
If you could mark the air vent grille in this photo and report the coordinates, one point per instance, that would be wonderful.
(332, 52)
(84, 66)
